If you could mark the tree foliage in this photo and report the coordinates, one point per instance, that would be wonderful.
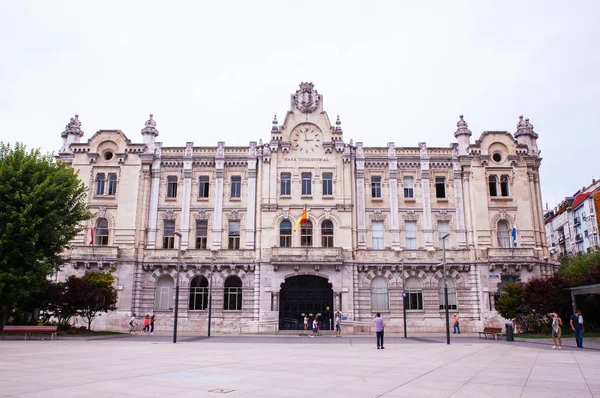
(509, 304)
(86, 296)
(42, 204)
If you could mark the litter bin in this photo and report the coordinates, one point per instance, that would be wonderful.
(510, 335)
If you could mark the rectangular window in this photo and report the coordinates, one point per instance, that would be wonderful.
(236, 187)
(440, 187)
(376, 186)
(306, 184)
(377, 231)
(234, 235)
(410, 228)
(112, 184)
(443, 229)
(201, 234)
(169, 234)
(171, 186)
(493, 182)
(414, 299)
(286, 184)
(409, 190)
(504, 185)
(327, 184)
(203, 186)
(100, 184)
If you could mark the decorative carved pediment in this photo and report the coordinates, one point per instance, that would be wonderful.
(169, 215)
(410, 215)
(233, 215)
(377, 216)
(443, 215)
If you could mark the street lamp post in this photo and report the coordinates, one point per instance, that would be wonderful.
(446, 288)
(178, 234)
(210, 301)
(403, 299)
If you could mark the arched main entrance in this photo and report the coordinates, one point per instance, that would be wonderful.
(305, 295)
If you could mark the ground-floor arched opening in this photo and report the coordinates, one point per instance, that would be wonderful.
(305, 295)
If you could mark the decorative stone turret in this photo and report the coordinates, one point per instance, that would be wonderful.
(71, 135)
(526, 136)
(463, 136)
(149, 132)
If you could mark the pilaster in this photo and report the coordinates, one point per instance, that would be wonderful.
(426, 189)
(184, 227)
(360, 197)
(251, 199)
(393, 185)
(218, 209)
(153, 211)
(460, 208)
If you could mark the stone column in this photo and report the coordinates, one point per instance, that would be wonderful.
(542, 228)
(153, 211)
(466, 175)
(460, 208)
(360, 197)
(184, 227)
(218, 210)
(534, 210)
(426, 189)
(257, 292)
(251, 199)
(394, 217)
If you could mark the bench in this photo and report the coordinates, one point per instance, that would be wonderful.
(492, 332)
(29, 330)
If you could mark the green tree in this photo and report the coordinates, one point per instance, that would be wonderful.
(510, 304)
(42, 205)
(100, 296)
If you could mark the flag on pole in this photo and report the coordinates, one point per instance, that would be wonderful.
(91, 236)
(514, 233)
(301, 220)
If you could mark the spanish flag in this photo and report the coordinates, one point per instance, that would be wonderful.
(301, 220)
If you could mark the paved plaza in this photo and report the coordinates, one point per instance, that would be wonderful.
(292, 366)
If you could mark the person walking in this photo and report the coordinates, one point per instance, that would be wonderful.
(338, 324)
(379, 326)
(556, 330)
(132, 324)
(456, 324)
(152, 324)
(577, 326)
(305, 322)
(146, 329)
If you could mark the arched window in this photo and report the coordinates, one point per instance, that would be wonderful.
(163, 298)
(327, 234)
(101, 232)
(198, 293)
(452, 303)
(379, 294)
(306, 233)
(285, 233)
(232, 299)
(503, 234)
(414, 294)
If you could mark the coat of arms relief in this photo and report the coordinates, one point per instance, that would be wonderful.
(306, 99)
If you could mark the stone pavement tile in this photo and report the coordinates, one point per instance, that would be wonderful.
(416, 392)
(501, 379)
(545, 392)
(66, 392)
(488, 391)
(560, 383)
(133, 387)
(425, 383)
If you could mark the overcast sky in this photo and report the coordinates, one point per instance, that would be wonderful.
(397, 71)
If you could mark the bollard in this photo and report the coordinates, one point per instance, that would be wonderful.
(510, 336)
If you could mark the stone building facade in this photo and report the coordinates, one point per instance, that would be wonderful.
(372, 241)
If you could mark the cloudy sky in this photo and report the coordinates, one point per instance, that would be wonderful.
(397, 71)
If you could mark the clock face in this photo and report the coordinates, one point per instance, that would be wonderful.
(306, 138)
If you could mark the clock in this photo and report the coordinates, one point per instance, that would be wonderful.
(306, 138)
